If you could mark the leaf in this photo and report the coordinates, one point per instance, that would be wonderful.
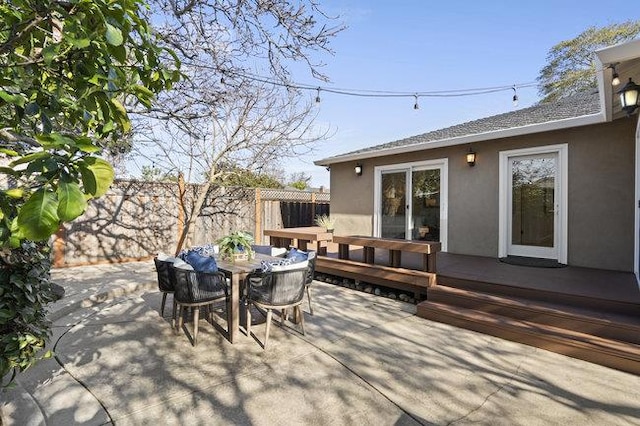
(38, 217)
(97, 176)
(71, 202)
(86, 145)
(16, 99)
(30, 158)
(14, 192)
(114, 35)
(80, 43)
(123, 117)
(9, 152)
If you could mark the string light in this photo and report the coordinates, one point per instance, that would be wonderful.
(391, 94)
(384, 93)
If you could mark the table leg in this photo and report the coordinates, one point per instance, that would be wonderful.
(233, 309)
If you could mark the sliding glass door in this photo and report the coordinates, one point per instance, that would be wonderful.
(411, 201)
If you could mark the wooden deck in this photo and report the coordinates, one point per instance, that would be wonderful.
(585, 313)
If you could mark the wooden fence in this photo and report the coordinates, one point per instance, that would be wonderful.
(136, 219)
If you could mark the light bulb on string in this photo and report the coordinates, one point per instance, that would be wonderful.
(415, 105)
(515, 97)
(318, 96)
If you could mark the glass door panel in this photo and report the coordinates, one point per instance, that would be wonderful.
(533, 205)
(425, 205)
(394, 216)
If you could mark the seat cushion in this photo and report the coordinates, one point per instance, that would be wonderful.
(291, 266)
(201, 263)
(297, 255)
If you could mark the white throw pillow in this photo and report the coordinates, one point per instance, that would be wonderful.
(291, 267)
(181, 264)
(278, 251)
(164, 257)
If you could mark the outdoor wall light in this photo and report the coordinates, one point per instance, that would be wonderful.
(358, 169)
(471, 158)
(615, 78)
(629, 98)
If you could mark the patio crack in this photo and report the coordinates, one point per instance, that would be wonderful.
(490, 395)
(79, 381)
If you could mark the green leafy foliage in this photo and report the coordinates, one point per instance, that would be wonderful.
(570, 68)
(25, 290)
(66, 71)
(235, 242)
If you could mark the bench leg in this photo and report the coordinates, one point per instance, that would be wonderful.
(395, 257)
(369, 255)
(429, 262)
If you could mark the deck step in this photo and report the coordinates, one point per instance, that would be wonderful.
(610, 326)
(541, 295)
(623, 356)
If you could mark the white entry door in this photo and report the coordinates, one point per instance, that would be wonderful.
(533, 214)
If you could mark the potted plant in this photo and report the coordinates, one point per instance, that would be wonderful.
(325, 221)
(236, 246)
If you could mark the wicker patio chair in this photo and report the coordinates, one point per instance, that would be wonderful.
(196, 289)
(166, 284)
(276, 290)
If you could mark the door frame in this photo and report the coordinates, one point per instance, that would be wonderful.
(636, 249)
(440, 163)
(561, 201)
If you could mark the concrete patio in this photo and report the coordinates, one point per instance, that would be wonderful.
(364, 360)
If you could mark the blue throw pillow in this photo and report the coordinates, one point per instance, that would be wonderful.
(201, 263)
(297, 255)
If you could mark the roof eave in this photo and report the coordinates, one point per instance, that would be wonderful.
(584, 120)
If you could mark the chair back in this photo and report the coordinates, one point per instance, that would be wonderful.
(277, 288)
(311, 268)
(166, 280)
(195, 287)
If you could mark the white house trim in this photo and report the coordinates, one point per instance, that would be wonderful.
(636, 251)
(563, 197)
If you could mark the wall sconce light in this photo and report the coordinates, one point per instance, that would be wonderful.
(615, 78)
(629, 98)
(471, 158)
(358, 169)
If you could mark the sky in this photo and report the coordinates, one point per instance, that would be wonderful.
(419, 46)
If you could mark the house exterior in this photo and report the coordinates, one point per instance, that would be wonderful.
(556, 181)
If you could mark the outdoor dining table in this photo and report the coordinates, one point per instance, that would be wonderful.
(237, 271)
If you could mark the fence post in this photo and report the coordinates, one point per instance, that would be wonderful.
(258, 224)
(58, 247)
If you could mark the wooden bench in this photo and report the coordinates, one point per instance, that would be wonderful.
(301, 237)
(429, 250)
(392, 277)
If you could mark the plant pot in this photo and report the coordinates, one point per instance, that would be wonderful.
(242, 256)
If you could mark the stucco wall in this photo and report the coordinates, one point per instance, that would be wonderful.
(600, 184)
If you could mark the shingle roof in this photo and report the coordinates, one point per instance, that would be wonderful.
(575, 106)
